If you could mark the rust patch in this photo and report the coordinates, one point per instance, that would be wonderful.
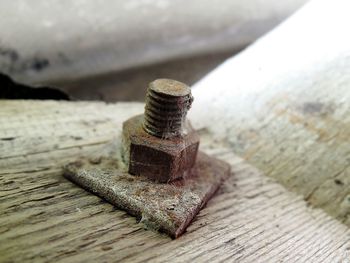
(169, 208)
(307, 123)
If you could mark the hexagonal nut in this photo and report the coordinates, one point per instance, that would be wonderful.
(162, 160)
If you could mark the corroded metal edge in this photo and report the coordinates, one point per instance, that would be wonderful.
(169, 208)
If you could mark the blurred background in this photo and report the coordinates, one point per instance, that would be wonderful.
(110, 50)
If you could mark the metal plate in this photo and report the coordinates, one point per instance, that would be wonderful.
(165, 207)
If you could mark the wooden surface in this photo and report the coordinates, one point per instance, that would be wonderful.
(44, 217)
(283, 104)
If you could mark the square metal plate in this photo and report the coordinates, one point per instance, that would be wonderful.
(169, 208)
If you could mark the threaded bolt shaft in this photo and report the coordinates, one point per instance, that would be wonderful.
(167, 103)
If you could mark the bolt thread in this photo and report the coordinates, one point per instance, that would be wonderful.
(167, 103)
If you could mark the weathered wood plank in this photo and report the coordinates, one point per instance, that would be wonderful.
(283, 104)
(44, 217)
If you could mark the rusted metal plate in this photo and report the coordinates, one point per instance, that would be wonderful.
(165, 207)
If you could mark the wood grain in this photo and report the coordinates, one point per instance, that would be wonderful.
(46, 218)
(283, 105)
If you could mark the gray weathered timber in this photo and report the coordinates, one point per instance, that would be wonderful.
(284, 105)
(44, 217)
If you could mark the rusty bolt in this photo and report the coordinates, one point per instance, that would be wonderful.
(161, 144)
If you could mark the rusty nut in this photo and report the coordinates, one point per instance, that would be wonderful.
(158, 159)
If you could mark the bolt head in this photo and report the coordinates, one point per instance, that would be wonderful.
(162, 160)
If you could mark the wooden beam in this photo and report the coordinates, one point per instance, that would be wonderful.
(45, 217)
(283, 105)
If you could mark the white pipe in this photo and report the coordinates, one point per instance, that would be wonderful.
(49, 40)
